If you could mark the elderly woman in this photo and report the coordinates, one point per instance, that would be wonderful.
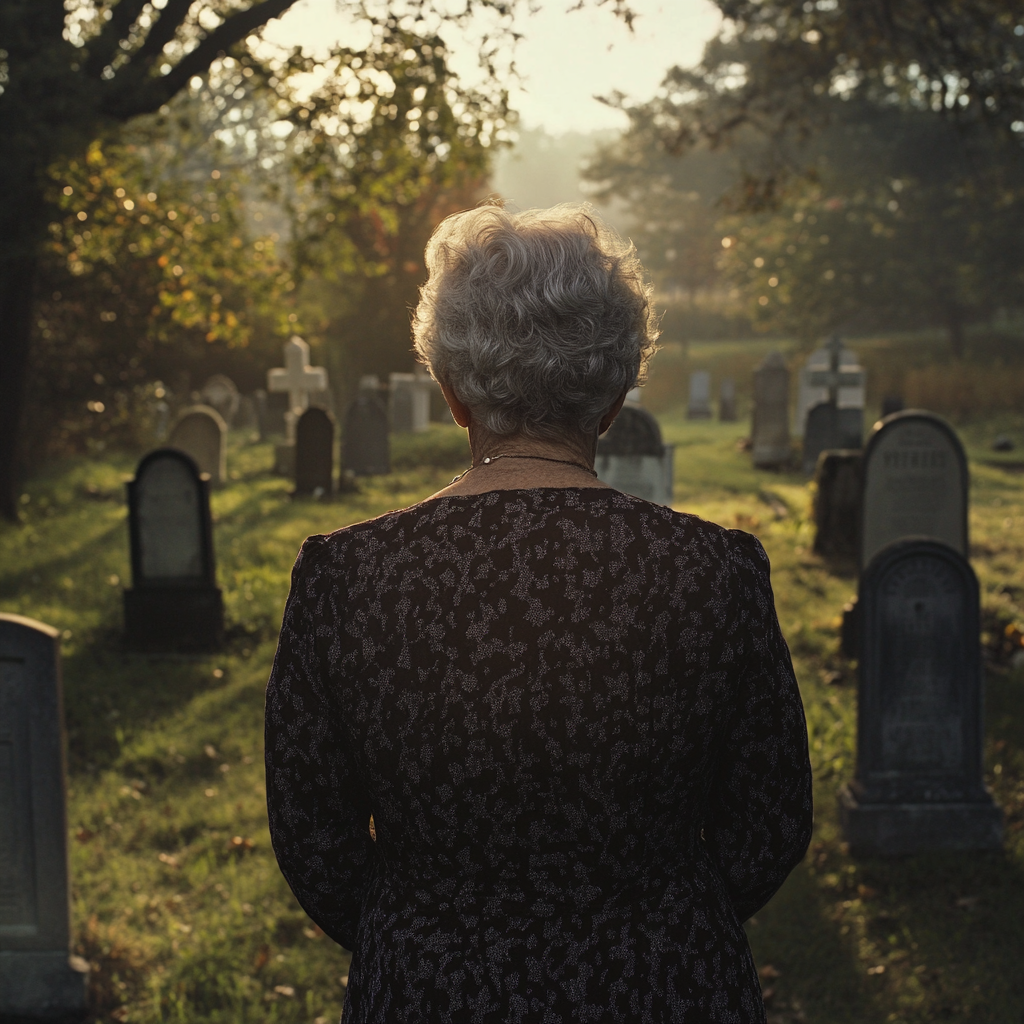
(534, 746)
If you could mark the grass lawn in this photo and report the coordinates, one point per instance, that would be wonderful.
(177, 900)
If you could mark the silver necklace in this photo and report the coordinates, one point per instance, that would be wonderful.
(542, 458)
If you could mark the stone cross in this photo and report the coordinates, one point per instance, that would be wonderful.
(298, 378)
(834, 378)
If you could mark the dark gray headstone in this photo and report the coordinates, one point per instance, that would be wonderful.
(699, 405)
(366, 450)
(174, 601)
(918, 784)
(314, 452)
(202, 434)
(769, 431)
(632, 458)
(727, 400)
(634, 432)
(915, 484)
(828, 427)
(837, 504)
(38, 978)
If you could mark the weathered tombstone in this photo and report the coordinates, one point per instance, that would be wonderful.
(837, 504)
(891, 404)
(314, 452)
(632, 458)
(38, 978)
(174, 600)
(246, 417)
(699, 406)
(366, 447)
(829, 427)
(220, 393)
(915, 484)
(201, 433)
(831, 374)
(769, 431)
(918, 784)
(727, 400)
(298, 379)
(409, 402)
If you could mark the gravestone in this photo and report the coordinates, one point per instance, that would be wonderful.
(38, 977)
(699, 406)
(409, 402)
(829, 427)
(831, 374)
(246, 418)
(769, 430)
(632, 458)
(298, 380)
(366, 447)
(837, 504)
(161, 420)
(174, 601)
(220, 393)
(727, 401)
(915, 484)
(918, 784)
(201, 433)
(314, 452)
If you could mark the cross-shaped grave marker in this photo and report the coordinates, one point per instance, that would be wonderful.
(298, 378)
(834, 377)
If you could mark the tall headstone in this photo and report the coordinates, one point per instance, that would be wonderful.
(632, 458)
(220, 393)
(831, 374)
(769, 431)
(297, 379)
(727, 400)
(366, 446)
(38, 978)
(409, 402)
(201, 433)
(174, 600)
(314, 452)
(699, 405)
(915, 484)
(837, 496)
(829, 427)
(918, 784)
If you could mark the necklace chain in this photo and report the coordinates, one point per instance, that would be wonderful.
(542, 458)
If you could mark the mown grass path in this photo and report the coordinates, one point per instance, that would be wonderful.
(178, 903)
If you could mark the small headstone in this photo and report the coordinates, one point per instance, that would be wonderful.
(727, 400)
(699, 406)
(202, 434)
(891, 404)
(314, 452)
(298, 380)
(275, 409)
(174, 600)
(918, 785)
(829, 427)
(831, 374)
(915, 484)
(769, 432)
(246, 418)
(39, 980)
(1003, 443)
(366, 448)
(161, 419)
(409, 401)
(632, 458)
(837, 504)
(220, 393)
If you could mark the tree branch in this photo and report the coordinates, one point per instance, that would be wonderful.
(103, 49)
(167, 25)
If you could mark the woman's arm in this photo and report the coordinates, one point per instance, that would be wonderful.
(759, 806)
(319, 814)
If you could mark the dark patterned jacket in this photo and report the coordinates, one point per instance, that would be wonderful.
(574, 720)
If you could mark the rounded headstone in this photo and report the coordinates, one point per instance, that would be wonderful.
(202, 434)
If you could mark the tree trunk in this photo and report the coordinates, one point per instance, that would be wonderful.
(22, 230)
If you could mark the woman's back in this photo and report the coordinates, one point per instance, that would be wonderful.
(574, 721)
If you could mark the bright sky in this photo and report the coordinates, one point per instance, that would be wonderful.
(566, 58)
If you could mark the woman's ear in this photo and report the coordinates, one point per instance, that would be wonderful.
(460, 411)
(609, 417)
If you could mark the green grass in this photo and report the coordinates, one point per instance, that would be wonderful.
(177, 900)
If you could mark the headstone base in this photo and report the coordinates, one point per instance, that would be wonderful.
(42, 986)
(174, 617)
(771, 456)
(727, 411)
(892, 830)
(699, 412)
(284, 459)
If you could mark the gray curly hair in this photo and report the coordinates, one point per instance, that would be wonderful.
(538, 321)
